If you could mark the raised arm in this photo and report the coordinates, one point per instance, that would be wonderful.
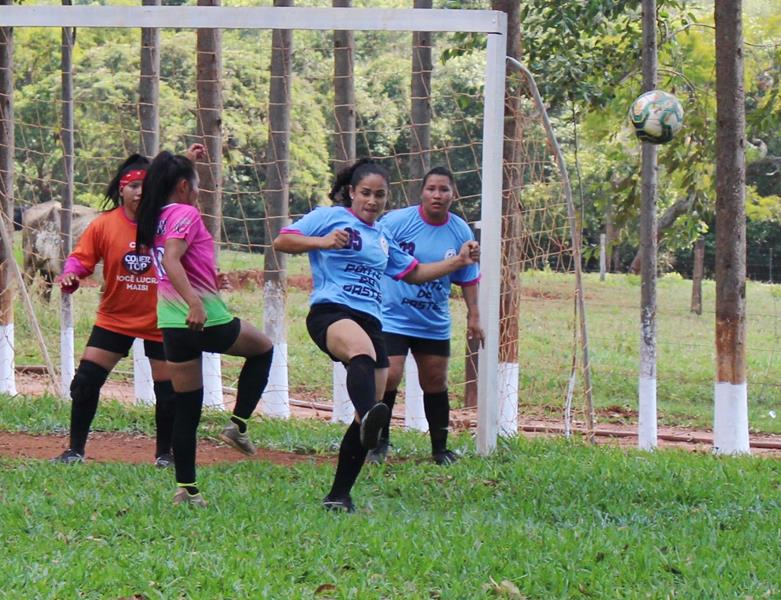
(423, 272)
(172, 264)
(293, 243)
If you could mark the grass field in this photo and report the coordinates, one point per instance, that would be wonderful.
(538, 519)
(686, 346)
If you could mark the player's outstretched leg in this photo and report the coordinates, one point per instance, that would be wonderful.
(437, 409)
(252, 381)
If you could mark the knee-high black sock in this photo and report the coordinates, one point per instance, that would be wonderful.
(360, 383)
(85, 392)
(165, 412)
(188, 415)
(252, 381)
(388, 398)
(437, 409)
(351, 457)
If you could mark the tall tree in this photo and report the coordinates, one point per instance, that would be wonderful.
(344, 94)
(730, 422)
(149, 88)
(277, 193)
(646, 426)
(209, 114)
(7, 382)
(512, 224)
(420, 109)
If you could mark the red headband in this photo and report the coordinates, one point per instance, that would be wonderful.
(131, 176)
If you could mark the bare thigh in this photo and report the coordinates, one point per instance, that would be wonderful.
(346, 339)
(106, 359)
(186, 376)
(251, 342)
(160, 370)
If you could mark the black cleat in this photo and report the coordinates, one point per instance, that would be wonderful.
(344, 504)
(372, 424)
(69, 457)
(445, 458)
(379, 454)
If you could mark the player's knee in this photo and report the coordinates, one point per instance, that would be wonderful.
(86, 383)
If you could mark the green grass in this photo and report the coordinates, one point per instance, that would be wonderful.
(686, 348)
(550, 518)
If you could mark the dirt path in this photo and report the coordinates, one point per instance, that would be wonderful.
(117, 447)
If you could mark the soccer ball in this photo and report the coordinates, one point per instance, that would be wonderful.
(656, 116)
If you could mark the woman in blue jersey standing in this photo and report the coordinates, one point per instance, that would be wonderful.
(349, 252)
(417, 318)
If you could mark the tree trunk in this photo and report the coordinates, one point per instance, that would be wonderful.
(7, 379)
(149, 89)
(420, 109)
(699, 269)
(209, 115)
(512, 225)
(344, 94)
(66, 213)
(275, 399)
(667, 220)
(730, 429)
(646, 435)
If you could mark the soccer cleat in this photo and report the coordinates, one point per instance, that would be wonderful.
(235, 439)
(69, 457)
(182, 496)
(379, 454)
(164, 461)
(445, 458)
(372, 424)
(344, 504)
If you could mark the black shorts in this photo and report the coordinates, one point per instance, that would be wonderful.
(120, 343)
(183, 344)
(322, 316)
(398, 345)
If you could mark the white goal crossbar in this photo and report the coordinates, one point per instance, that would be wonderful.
(491, 23)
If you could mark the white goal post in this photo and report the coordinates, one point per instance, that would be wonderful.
(491, 23)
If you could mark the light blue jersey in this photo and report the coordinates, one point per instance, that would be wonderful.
(424, 310)
(351, 276)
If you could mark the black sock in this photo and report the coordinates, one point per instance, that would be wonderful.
(85, 392)
(360, 383)
(252, 381)
(437, 409)
(165, 411)
(388, 398)
(188, 415)
(351, 457)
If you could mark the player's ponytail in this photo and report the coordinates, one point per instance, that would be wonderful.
(134, 162)
(164, 173)
(352, 176)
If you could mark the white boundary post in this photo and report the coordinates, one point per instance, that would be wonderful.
(414, 413)
(143, 386)
(7, 372)
(491, 236)
(212, 381)
(343, 411)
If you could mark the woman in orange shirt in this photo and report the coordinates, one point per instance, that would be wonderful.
(127, 310)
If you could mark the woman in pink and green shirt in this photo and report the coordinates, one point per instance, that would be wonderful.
(192, 315)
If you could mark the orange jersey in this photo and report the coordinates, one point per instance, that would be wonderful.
(129, 301)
